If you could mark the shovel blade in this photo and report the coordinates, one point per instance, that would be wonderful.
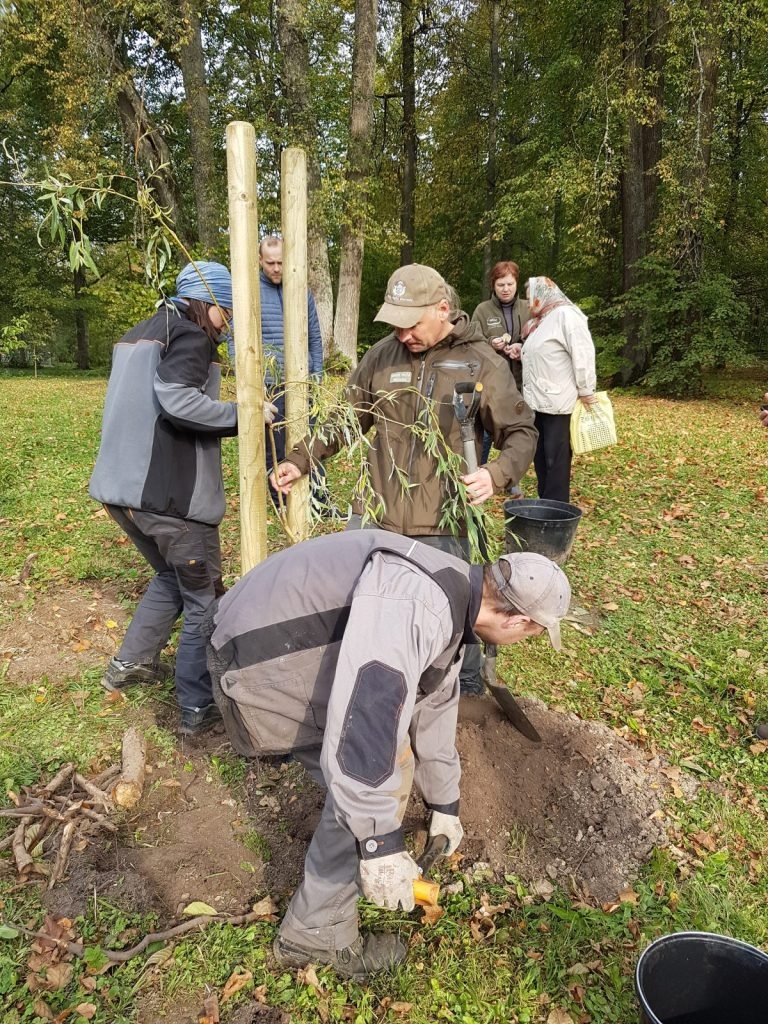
(513, 711)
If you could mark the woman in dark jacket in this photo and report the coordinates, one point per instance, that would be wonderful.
(501, 317)
(501, 320)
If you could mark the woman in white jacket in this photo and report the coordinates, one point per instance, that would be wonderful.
(558, 357)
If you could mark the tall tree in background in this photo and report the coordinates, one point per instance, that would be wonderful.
(494, 7)
(408, 29)
(191, 58)
(302, 130)
(359, 162)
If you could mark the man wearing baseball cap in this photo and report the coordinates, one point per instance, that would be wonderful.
(351, 666)
(404, 384)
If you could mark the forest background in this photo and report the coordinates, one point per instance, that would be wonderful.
(619, 148)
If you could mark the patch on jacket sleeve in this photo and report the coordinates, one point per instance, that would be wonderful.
(368, 745)
(400, 377)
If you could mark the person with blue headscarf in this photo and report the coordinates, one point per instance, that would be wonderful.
(158, 474)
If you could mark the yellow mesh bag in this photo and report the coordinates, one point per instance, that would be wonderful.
(593, 426)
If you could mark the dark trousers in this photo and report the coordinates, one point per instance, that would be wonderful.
(552, 460)
(318, 480)
(186, 557)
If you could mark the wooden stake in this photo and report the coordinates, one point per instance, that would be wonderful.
(295, 323)
(244, 246)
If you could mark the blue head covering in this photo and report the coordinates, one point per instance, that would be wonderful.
(206, 281)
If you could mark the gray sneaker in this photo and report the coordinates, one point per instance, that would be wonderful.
(366, 955)
(120, 674)
(195, 721)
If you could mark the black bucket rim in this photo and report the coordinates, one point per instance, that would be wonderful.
(726, 942)
(516, 507)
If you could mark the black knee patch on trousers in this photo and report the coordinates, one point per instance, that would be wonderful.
(368, 747)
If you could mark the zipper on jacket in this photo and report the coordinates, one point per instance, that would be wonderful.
(419, 384)
(455, 364)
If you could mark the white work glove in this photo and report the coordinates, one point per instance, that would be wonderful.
(447, 825)
(388, 881)
(270, 411)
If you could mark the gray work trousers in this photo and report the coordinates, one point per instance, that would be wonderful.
(323, 911)
(470, 675)
(186, 557)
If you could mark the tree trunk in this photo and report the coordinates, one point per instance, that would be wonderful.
(490, 164)
(192, 64)
(654, 68)
(301, 128)
(408, 182)
(633, 187)
(149, 146)
(82, 353)
(705, 69)
(358, 171)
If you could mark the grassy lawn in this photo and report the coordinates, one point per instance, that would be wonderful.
(670, 555)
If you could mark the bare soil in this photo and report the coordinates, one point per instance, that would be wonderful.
(581, 809)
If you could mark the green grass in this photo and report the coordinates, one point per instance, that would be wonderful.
(671, 553)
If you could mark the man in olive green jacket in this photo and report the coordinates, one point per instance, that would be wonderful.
(430, 350)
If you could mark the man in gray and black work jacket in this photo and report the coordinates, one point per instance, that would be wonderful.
(430, 350)
(345, 651)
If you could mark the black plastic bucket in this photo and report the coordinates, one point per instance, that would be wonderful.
(699, 978)
(542, 525)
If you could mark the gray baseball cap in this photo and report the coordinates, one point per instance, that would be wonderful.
(535, 586)
(410, 291)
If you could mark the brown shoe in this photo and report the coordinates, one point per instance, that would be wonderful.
(366, 955)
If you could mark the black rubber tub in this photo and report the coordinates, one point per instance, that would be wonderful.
(542, 525)
(702, 978)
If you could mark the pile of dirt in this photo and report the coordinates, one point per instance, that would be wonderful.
(582, 807)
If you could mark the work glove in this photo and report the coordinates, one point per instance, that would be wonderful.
(270, 411)
(388, 881)
(447, 825)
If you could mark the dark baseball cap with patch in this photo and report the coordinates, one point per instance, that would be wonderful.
(534, 586)
(410, 291)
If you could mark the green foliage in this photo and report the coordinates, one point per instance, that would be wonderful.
(692, 326)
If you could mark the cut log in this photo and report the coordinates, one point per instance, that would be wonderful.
(129, 786)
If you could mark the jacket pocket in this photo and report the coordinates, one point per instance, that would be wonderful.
(274, 704)
(547, 386)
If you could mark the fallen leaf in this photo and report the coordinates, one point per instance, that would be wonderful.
(578, 969)
(87, 1010)
(431, 913)
(42, 1009)
(401, 1008)
(610, 606)
(237, 980)
(266, 909)
(741, 653)
(57, 976)
(482, 928)
(308, 976)
(704, 839)
(627, 896)
(559, 1016)
(758, 748)
(198, 909)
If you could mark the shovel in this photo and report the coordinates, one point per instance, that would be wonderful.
(425, 892)
(465, 415)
